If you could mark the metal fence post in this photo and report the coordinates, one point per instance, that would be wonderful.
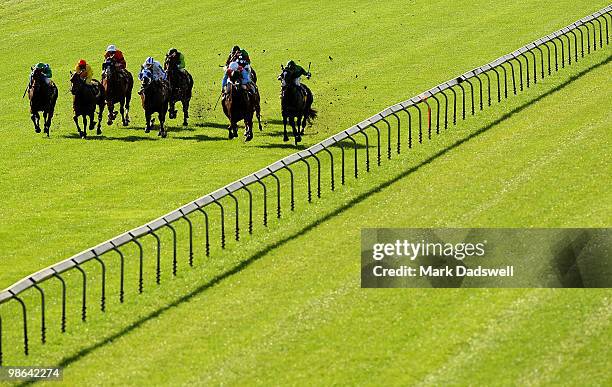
(331, 160)
(278, 194)
(291, 185)
(462, 99)
(140, 271)
(190, 236)
(25, 323)
(174, 258)
(488, 90)
(222, 223)
(308, 179)
(121, 284)
(103, 295)
(237, 217)
(471, 93)
(158, 267)
(355, 147)
(265, 202)
(244, 186)
(207, 243)
(43, 327)
(84, 302)
(541, 62)
(63, 321)
(377, 144)
(445, 109)
(362, 131)
(399, 132)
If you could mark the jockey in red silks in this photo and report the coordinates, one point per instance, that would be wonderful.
(116, 55)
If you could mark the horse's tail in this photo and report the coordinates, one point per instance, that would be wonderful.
(311, 114)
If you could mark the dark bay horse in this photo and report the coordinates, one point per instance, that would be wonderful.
(239, 104)
(155, 97)
(296, 102)
(85, 99)
(43, 97)
(181, 85)
(118, 86)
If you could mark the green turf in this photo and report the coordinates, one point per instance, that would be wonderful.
(285, 306)
(63, 195)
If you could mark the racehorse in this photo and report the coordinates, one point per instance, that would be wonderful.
(155, 96)
(86, 97)
(181, 85)
(239, 104)
(42, 98)
(296, 102)
(118, 89)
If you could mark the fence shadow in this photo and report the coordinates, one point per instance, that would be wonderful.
(358, 199)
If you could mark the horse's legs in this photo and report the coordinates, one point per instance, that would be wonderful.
(148, 119)
(172, 110)
(248, 128)
(48, 118)
(76, 121)
(122, 110)
(46, 122)
(128, 98)
(185, 111)
(296, 129)
(100, 111)
(285, 138)
(296, 132)
(162, 119)
(303, 123)
(84, 125)
(35, 119)
(111, 113)
(92, 122)
(258, 113)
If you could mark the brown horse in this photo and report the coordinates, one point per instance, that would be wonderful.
(239, 104)
(181, 85)
(118, 86)
(43, 96)
(85, 99)
(155, 96)
(296, 102)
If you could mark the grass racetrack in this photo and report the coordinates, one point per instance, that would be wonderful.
(285, 306)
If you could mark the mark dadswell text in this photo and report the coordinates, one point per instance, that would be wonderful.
(444, 271)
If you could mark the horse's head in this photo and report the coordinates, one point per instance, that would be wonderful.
(146, 78)
(108, 68)
(75, 81)
(171, 63)
(282, 77)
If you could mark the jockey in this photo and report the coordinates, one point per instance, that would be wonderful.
(245, 76)
(116, 55)
(233, 55)
(294, 73)
(84, 70)
(174, 53)
(45, 70)
(155, 68)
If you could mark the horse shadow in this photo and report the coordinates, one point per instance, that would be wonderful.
(202, 138)
(75, 136)
(282, 146)
(211, 125)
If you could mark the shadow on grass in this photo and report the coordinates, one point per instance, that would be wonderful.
(75, 136)
(202, 137)
(360, 198)
(284, 145)
(211, 125)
